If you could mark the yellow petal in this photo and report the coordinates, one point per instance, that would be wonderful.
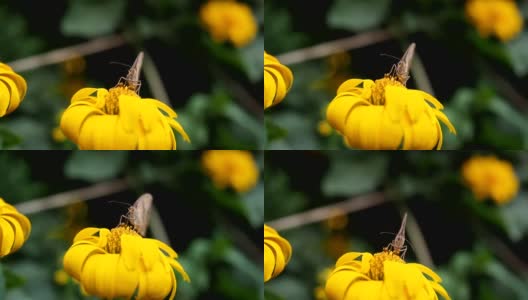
(338, 111)
(76, 256)
(340, 281)
(270, 89)
(84, 94)
(269, 262)
(369, 127)
(18, 232)
(7, 237)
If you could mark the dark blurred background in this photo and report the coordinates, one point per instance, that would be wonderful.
(215, 232)
(465, 238)
(214, 87)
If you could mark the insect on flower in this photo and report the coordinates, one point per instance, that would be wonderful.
(400, 71)
(138, 215)
(132, 79)
(397, 246)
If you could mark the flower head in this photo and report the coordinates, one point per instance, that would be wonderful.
(501, 18)
(14, 228)
(386, 115)
(277, 253)
(121, 263)
(384, 275)
(488, 176)
(231, 168)
(278, 80)
(227, 20)
(119, 119)
(13, 88)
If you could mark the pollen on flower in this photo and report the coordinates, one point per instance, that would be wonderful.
(111, 106)
(378, 259)
(114, 238)
(378, 90)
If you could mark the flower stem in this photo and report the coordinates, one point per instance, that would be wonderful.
(333, 47)
(64, 54)
(73, 196)
(326, 212)
(418, 241)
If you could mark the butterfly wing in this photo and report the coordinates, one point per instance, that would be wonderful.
(140, 213)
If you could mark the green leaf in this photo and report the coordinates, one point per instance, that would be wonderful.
(503, 276)
(510, 116)
(269, 295)
(253, 59)
(91, 18)
(514, 217)
(95, 165)
(357, 15)
(254, 205)
(242, 120)
(289, 287)
(12, 280)
(518, 52)
(8, 139)
(459, 113)
(36, 135)
(355, 173)
(2, 282)
(300, 135)
(274, 131)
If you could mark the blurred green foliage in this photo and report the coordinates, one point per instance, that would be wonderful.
(480, 80)
(478, 247)
(214, 87)
(215, 232)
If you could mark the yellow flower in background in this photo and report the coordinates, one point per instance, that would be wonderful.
(488, 176)
(385, 115)
(118, 119)
(227, 20)
(277, 253)
(319, 291)
(61, 277)
(501, 18)
(382, 276)
(13, 89)
(278, 80)
(324, 128)
(120, 263)
(14, 228)
(231, 168)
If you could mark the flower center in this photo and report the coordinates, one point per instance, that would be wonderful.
(111, 106)
(114, 238)
(376, 264)
(378, 90)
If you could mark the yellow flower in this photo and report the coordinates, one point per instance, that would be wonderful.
(319, 291)
(488, 176)
(501, 18)
(118, 119)
(120, 263)
(382, 276)
(278, 80)
(229, 20)
(385, 115)
(277, 253)
(61, 277)
(337, 222)
(231, 168)
(13, 88)
(14, 228)
(324, 128)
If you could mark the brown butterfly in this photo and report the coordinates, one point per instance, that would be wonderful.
(397, 246)
(132, 79)
(401, 70)
(139, 214)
